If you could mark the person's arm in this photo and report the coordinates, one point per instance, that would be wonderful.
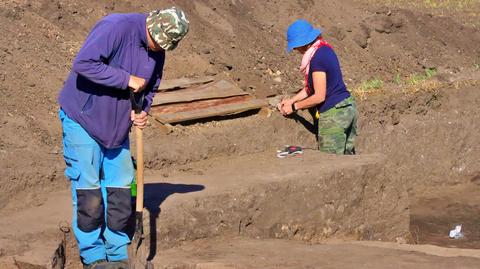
(320, 86)
(153, 87)
(140, 120)
(299, 96)
(91, 61)
(302, 94)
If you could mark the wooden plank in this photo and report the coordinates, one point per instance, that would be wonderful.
(221, 110)
(164, 128)
(182, 83)
(195, 105)
(218, 89)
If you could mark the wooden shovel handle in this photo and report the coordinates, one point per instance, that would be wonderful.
(139, 143)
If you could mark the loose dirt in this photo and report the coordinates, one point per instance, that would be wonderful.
(428, 133)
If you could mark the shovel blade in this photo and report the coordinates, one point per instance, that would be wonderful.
(138, 236)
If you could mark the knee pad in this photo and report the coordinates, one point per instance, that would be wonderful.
(90, 209)
(119, 208)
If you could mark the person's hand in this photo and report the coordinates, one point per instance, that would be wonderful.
(136, 83)
(139, 120)
(287, 107)
(280, 107)
(281, 104)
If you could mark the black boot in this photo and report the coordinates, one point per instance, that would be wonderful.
(116, 265)
(95, 265)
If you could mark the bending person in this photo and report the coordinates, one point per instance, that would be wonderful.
(123, 52)
(324, 90)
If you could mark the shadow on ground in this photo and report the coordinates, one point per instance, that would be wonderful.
(155, 195)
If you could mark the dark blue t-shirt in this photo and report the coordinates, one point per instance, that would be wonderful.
(325, 60)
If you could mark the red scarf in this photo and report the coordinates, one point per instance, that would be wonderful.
(307, 58)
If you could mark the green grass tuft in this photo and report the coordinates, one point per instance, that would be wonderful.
(459, 5)
(397, 79)
(415, 79)
(368, 87)
(371, 84)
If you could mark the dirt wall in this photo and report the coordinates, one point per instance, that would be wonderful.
(260, 197)
(239, 40)
(430, 138)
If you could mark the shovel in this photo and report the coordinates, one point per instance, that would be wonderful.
(138, 236)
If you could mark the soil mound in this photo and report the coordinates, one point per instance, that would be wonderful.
(429, 137)
(239, 40)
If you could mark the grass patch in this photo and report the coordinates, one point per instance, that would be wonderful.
(414, 83)
(397, 79)
(477, 66)
(415, 79)
(423, 86)
(372, 84)
(422, 82)
(464, 11)
(458, 5)
(368, 87)
(454, 4)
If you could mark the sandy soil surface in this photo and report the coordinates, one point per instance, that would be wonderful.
(428, 132)
(230, 254)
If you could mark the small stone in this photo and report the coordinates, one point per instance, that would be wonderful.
(395, 119)
(274, 101)
(277, 79)
(400, 240)
(261, 66)
(210, 73)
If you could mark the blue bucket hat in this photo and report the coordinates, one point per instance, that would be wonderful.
(301, 33)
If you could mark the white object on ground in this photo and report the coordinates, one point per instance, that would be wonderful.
(457, 232)
(289, 151)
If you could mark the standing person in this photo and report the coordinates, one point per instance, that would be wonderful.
(324, 90)
(122, 53)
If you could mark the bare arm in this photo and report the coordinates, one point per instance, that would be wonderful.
(302, 94)
(299, 96)
(320, 86)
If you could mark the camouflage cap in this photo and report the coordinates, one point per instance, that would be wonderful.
(167, 27)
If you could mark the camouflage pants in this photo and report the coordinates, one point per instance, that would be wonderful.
(337, 128)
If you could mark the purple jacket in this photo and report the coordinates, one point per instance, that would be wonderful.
(95, 93)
